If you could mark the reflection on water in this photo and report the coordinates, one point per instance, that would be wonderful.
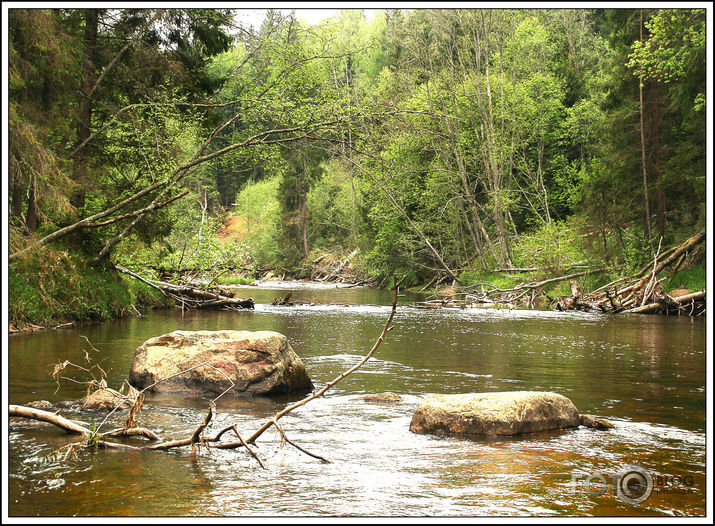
(644, 373)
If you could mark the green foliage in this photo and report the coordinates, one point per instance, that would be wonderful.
(93, 437)
(50, 287)
(235, 280)
(554, 247)
(336, 208)
(494, 279)
(675, 45)
(636, 250)
(693, 279)
(257, 203)
(302, 169)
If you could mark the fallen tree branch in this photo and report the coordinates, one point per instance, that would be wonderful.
(51, 418)
(685, 247)
(286, 439)
(248, 448)
(131, 432)
(191, 296)
(330, 384)
(340, 267)
(680, 300)
(94, 438)
(136, 213)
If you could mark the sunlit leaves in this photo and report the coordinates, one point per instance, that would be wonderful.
(675, 45)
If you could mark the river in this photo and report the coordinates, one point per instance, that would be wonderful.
(645, 374)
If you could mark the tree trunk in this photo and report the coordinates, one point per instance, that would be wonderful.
(31, 217)
(306, 251)
(649, 228)
(84, 121)
(17, 191)
(660, 195)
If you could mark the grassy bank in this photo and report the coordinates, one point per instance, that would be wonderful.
(235, 280)
(52, 287)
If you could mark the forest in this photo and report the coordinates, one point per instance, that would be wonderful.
(452, 147)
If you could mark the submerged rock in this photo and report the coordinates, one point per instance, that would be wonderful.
(494, 414)
(381, 398)
(258, 363)
(40, 404)
(595, 422)
(103, 400)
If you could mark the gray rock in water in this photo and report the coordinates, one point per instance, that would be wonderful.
(258, 363)
(494, 414)
(381, 398)
(595, 422)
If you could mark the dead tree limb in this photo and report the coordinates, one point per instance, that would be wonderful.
(248, 448)
(330, 384)
(340, 267)
(69, 426)
(94, 438)
(680, 300)
(132, 432)
(136, 213)
(57, 234)
(685, 247)
(289, 441)
(191, 296)
(540, 284)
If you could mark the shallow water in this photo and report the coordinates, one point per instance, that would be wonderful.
(645, 374)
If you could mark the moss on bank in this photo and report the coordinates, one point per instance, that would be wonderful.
(51, 287)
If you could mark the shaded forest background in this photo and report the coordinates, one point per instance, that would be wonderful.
(436, 143)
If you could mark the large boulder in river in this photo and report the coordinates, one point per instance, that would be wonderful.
(494, 414)
(258, 363)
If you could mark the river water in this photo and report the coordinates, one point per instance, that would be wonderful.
(645, 374)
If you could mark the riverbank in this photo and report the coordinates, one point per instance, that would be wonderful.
(58, 290)
(53, 289)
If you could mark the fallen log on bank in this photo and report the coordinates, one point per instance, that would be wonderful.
(327, 268)
(684, 303)
(645, 292)
(189, 297)
(642, 293)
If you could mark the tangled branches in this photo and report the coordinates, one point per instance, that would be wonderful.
(96, 438)
(642, 293)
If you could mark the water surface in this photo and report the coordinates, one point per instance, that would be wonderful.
(646, 374)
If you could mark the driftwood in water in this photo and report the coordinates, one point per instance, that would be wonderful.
(285, 300)
(94, 438)
(325, 270)
(484, 293)
(193, 298)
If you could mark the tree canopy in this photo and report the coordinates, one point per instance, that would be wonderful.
(434, 140)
